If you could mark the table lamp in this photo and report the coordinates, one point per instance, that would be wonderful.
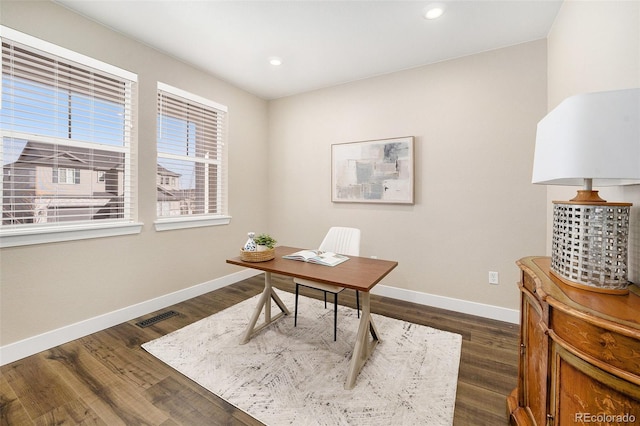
(590, 140)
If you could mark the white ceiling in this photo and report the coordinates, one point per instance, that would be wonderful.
(321, 43)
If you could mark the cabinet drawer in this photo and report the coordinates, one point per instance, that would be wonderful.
(612, 348)
(584, 391)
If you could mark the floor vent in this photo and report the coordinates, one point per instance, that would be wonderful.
(157, 318)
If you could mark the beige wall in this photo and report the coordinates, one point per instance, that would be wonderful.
(474, 122)
(48, 286)
(595, 46)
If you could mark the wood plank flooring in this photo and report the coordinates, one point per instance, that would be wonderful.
(107, 379)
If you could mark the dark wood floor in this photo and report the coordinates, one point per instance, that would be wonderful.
(107, 379)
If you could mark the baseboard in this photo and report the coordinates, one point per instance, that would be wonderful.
(457, 305)
(32, 345)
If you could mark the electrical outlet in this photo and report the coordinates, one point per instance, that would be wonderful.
(374, 257)
(493, 277)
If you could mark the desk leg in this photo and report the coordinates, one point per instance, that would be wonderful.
(264, 302)
(363, 347)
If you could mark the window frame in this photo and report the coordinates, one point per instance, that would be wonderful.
(55, 232)
(201, 220)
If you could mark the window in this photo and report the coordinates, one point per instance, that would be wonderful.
(191, 160)
(64, 118)
(66, 176)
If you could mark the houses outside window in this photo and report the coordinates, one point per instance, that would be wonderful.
(191, 159)
(66, 132)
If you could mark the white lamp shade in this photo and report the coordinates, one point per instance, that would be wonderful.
(590, 136)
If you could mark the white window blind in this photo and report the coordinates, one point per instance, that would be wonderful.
(66, 128)
(191, 158)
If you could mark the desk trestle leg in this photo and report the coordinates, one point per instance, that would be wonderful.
(264, 303)
(363, 346)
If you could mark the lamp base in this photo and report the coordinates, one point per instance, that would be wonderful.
(589, 247)
(619, 291)
(588, 196)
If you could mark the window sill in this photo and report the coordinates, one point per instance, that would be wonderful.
(169, 224)
(54, 234)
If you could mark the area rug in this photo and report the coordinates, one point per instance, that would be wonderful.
(295, 376)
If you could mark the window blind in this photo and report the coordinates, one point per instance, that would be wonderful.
(66, 123)
(191, 172)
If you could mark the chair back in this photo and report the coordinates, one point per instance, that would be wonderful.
(342, 240)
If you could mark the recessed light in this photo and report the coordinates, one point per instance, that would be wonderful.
(433, 11)
(275, 61)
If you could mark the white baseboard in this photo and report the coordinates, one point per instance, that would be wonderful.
(451, 304)
(32, 345)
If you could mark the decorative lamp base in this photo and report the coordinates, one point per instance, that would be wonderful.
(589, 247)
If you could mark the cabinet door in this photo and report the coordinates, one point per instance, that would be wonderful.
(534, 358)
(585, 394)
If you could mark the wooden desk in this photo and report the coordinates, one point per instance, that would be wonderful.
(358, 273)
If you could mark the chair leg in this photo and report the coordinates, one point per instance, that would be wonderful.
(325, 300)
(295, 316)
(358, 302)
(335, 316)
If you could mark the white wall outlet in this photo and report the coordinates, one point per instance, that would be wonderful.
(493, 277)
(374, 257)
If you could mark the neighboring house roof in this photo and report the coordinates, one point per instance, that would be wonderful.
(166, 195)
(166, 172)
(74, 157)
(78, 201)
(69, 156)
(42, 154)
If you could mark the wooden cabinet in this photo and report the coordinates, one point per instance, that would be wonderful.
(579, 353)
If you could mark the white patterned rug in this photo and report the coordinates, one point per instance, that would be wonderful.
(295, 376)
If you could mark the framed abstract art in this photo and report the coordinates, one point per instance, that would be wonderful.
(376, 171)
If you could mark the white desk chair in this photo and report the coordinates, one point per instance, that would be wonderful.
(338, 240)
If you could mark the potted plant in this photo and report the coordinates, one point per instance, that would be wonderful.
(265, 242)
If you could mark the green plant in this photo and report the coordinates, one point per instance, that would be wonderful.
(265, 240)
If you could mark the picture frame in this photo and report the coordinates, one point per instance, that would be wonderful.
(374, 171)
